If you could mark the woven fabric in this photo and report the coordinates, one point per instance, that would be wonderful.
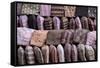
(91, 38)
(54, 37)
(30, 58)
(64, 23)
(56, 22)
(53, 54)
(32, 22)
(74, 53)
(90, 55)
(92, 12)
(45, 52)
(80, 36)
(78, 23)
(21, 56)
(23, 20)
(38, 38)
(60, 51)
(57, 10)
(72, 23)
(48, 23)
(30, 9)
(38, 55)
(45, 10)
(84, 22)
(81, 52)
(70, 11)
(40, 21)
(67, 50)
(24, 35)
(91, 24)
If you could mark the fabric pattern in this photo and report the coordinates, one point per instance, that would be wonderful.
(89, 53)
(38, 55)
(91, 38)
(64, 23)
(30, 9)
(21, 56)
(91, 24)
(24, 35)
(40, 21)
(78, 23)
(19, 8)
(45, 10)
(80, 36)
(74, 53)
(38, 38)
(32, 22)
(67, 50)
(29, 55)
(45, 52)
(53, 54)
(92, 12)
(56, 22)
(70, 11)
(23, 19)
(84, 22)
(48, 23)
(61, 55)
(81, 52)
(72, 23)
(57, 10)
(53, 37)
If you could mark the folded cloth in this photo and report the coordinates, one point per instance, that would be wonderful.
(61, 56)
(29, 53)
(23, 19)
(67, 36)
(18, 23)
(72, 23)
(21, 56)
(91, 24)
(91, 38)
(45, 10)
(30, 9)
(45, 52)
(53, 54)
(64, 23)
(38, 55)
(56, 22)
(38, 38)
(74, 53)
(54, 37)
(80, 36)
(48, 23)
(32, 22)
(67, 50)
(84, 22)
(19, 8)
(57, 10)
(78, 23)
(81, 52)
(90, 54)
(69, 11)
(40, 21)
(24, 35)
(92, 11)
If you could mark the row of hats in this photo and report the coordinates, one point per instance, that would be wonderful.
(27, 36)
(55, 10)
(55, 54)
(50, 23)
